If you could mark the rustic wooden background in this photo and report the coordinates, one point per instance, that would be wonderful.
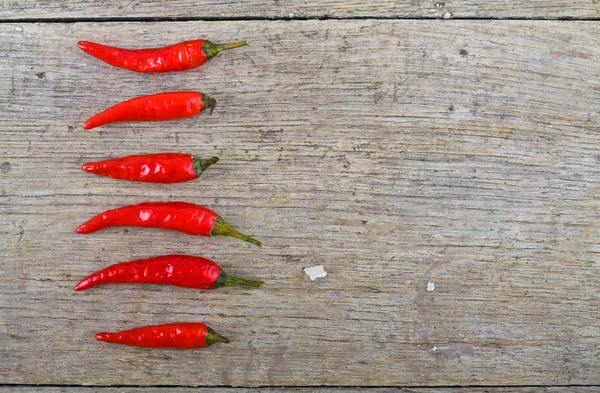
(399, 144)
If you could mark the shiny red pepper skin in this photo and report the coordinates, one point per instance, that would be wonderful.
(178, 270)
(156, 107)
(178, 57)
(152, 168)
(177, 216)
(174, 335)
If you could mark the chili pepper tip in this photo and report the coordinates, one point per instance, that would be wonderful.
(81, 286)
(102, 336)
(83, 229)
(83, 45)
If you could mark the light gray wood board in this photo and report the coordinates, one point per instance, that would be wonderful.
(395, 153)
(23, 9)
(87, 389)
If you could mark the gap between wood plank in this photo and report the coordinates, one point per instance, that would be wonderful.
(415, 387)
(257, 18)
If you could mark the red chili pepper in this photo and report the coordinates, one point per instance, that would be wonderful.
(178, 270)
(178, 57)
(174, 335)
(156, 107)
(152, 168)
(177, 216)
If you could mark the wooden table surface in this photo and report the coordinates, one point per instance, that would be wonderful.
(441, 159)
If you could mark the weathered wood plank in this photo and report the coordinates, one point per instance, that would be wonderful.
(396, 153)
(19, 9)
(570, 389)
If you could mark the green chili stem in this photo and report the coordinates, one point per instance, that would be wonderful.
(200, 164)
(231, 281)
(231, 45)
(221, 228)
(208, 162)
(208, 102)
(211, 49)
(213, 337)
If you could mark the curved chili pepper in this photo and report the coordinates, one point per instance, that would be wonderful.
(174, 335)
(152, 168)
(178, 270)
(178, 57)
(177, 216)
(156, 107)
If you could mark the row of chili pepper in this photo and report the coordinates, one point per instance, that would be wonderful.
(178, 270)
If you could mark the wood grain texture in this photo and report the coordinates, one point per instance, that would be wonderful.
(570, 389)
(395, 153)
(23, 9)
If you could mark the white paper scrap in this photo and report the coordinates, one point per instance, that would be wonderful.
(430, 286)
(315, 272)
